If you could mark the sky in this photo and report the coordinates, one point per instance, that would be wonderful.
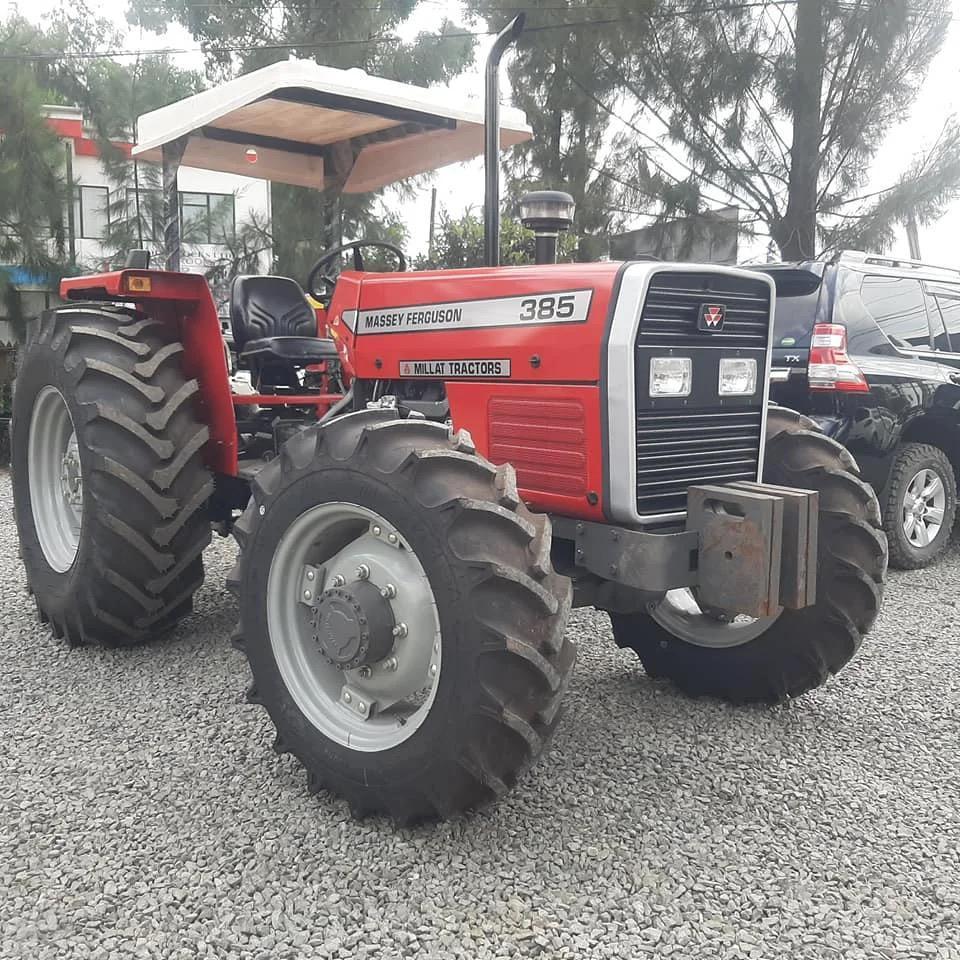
(461, 186)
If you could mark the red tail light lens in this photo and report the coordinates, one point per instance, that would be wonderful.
(829, 367)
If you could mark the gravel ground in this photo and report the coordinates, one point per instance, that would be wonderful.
(143, 814)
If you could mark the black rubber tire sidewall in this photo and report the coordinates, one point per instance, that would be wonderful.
(433, 743)
(56, 592)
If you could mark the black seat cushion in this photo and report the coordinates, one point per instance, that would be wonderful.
(263, 307)
(296, 351)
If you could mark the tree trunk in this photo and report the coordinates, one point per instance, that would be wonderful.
(796, 234)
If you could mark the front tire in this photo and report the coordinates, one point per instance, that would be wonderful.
(402, 621)
(771, 661)
(109, 483)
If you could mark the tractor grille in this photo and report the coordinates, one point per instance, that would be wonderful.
(711, 440)
(673, 304)
(677, 449)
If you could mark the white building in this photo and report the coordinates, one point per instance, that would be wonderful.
(211, 204)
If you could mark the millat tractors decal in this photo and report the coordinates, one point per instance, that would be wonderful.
(569, 306)
(438, 369)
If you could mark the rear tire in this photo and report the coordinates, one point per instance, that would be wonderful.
(915, 462)
(120, 562)
(499, 646)
(800, 649)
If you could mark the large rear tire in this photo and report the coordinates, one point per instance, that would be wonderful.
(401, 617)
(771, 661)
(109, 483)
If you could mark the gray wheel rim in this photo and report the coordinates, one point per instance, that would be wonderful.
(924, 503)
(680, 614)
(55, 479)
(374, 707)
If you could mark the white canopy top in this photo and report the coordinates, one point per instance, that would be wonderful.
(319, 126)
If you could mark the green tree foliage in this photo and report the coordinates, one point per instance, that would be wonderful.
(561, 77)
(781, 107)
(32, 186)
(459, 243)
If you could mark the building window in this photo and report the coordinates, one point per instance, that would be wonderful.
(207, 217)
(91, 212)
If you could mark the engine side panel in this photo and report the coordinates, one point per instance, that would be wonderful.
(519, 350)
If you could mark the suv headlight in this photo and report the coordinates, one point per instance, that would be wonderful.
(671, 376)
(738, 376)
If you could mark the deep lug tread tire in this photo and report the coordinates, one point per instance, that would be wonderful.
(144, 526)
(502, 611)
(802, 648)
(911, 458)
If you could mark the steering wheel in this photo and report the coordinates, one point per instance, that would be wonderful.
(318, 274)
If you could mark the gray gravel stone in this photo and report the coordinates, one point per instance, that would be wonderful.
(143, 813)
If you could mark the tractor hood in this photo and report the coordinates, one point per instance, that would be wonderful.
(297, 122)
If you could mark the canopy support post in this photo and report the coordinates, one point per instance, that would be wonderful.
(172, 154)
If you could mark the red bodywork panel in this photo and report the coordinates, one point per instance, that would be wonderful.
(519, 350)
(547, 323)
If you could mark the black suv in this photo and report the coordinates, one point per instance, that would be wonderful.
(869, 348)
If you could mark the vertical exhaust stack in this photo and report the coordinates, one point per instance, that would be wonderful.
(491, 155)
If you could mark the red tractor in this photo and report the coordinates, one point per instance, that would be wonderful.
(432, 468)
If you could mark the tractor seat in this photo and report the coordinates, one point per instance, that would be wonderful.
(273, 323)
(297, 351)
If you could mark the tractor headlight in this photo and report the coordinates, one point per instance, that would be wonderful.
(738, 376)
(671, 376)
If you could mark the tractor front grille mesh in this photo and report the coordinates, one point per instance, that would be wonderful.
(679, 446)
(673, 304)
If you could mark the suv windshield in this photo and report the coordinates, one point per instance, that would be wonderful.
(798, 291)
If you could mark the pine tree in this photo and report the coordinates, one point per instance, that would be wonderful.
(781, 107)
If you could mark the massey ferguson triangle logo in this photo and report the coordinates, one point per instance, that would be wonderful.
(711, 317)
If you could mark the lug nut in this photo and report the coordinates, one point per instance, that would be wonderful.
(307, 594)
(346, 696)
(433, 669)
(392, 538)
(361, 706)
(376, 530)
(400, 630)
(364, 673)
(337, 581)
(310, 574)
(390, 664)
(388, 592)
(363, 572)
(263, 509)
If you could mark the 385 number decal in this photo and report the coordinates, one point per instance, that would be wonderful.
(548, 308)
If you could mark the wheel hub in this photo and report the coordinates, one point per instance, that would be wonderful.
(924, 505)
(353, 625)
(71, 479)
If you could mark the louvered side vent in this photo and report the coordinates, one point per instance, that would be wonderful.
(545, 440)
(673, 304)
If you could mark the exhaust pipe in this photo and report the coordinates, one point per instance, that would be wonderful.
(491, 131)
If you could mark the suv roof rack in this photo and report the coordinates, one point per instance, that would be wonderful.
(896, 263)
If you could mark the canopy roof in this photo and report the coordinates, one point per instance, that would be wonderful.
(321, 127)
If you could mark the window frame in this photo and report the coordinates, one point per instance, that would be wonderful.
(936, 291)
(910, 348)
(80, 231)
(207, 208)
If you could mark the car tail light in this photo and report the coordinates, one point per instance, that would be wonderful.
(829, 367)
